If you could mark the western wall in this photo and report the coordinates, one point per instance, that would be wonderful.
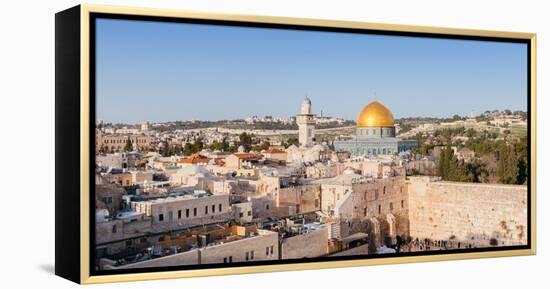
(479, 215)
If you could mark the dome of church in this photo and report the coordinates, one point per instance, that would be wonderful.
(375, 114)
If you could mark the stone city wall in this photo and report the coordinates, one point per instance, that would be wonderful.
(474, 214)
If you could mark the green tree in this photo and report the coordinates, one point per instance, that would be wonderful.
(165, 150)
(220, 146)
(191, 148)
(291, 141)
(451, 169)
(470, 132)
(521, 148)
(443, 165)
(263, 146)
(188, 149)
(177, 150)
(128, 147)
(507, 164)
(245, 140)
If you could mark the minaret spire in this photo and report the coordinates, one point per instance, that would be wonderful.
(306, 124)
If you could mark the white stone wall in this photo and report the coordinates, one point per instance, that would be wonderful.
(185, 258)
(243, 212)
(468, 213)
(308, 245)
(207, 211)
(237, 250)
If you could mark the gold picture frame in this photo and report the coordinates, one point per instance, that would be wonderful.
(77, 268)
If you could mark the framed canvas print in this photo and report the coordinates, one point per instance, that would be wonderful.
(193, 144)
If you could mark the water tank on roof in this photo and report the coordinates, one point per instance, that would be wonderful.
(101, 215)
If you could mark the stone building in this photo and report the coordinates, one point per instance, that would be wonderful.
(140, 177)
(259, 245)
(303, 199)
(236, 244)
(309, 154)
(275, 154)
(109, 196)
(242, 160)
(116, 161)
(322, 170)
(377, 206)
(311, 241)
(242, 212)
(395, 208)
(117, 142)
(122, 178)
(113, 233)
(184, 210)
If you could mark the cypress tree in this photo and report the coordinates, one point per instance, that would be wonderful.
(128, 147)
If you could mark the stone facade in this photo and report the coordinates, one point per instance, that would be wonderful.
(109, 196)
(264, 207)
(139, 177)
(123, 179)
(308, 245)
(304, 199)
(242, 212)
(378, 207)
(260, 247)
(116, 160)
(359, 250)
(374, 146)
(117, 142)
(180, 212)
(185, 258)
(110, 234)
(475, 214)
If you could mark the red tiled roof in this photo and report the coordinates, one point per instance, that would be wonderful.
(195, 158)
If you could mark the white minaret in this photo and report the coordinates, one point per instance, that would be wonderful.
(306, 124)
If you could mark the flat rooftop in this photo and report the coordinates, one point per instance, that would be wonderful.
(174, 196)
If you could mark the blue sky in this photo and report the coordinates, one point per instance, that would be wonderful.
(172, 71)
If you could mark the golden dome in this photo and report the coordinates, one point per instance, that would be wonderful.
(375, 114)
